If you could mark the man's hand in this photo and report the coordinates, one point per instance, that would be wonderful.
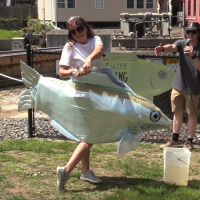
(189, 50)
(158, 49)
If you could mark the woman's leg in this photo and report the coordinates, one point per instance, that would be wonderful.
(86, 162)
(81, 153)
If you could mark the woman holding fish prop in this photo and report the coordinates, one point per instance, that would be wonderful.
(83, 49)
(93, 109)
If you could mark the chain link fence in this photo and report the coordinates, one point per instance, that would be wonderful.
(45, 60)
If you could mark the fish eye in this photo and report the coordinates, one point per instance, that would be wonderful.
(155, 116)
(162, 74)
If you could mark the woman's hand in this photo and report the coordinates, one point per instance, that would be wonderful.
(87, 67)
(82, 73)
(65, 71)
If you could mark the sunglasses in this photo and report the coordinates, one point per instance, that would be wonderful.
(79, 29)
(193, 32)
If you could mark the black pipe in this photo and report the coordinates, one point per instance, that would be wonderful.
(28, 61)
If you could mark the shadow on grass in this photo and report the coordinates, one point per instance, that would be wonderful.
(124, 183)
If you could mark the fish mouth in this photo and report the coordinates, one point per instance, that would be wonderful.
(152, 83)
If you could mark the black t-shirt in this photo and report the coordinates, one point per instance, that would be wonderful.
(187, 77)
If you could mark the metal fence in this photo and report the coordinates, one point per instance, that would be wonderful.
(20, 12)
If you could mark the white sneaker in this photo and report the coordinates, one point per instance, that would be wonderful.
(90, 176)
(61, 179)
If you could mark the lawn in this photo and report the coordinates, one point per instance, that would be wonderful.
(28, 171)
(9, 34)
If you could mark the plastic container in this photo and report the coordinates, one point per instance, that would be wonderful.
(176, 165)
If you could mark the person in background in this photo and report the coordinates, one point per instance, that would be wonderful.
(186, 85)
(84, 50)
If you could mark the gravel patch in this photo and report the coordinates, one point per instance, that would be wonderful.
(17, 129)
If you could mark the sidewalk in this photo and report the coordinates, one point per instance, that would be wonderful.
(176, 31)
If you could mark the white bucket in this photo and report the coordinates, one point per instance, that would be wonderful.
(176, 165)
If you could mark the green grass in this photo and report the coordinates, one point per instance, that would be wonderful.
(15, 198)
(9, 34)
(28, 172)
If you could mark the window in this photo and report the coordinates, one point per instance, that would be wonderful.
(130, 3)
(61, 4)
(99, 4)
(149, 4)
(189, 8)
(195, 7)
(71, 3)
(140, 3)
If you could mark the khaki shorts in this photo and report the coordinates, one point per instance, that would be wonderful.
(181, 101)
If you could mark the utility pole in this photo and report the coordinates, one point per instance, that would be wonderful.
(183, 21)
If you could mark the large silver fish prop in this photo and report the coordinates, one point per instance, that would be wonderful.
(97, 108)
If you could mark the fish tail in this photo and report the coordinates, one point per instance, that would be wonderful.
(30, 77)
(26, 100)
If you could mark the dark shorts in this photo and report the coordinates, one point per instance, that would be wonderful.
(181, 101)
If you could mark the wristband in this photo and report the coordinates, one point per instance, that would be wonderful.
(194, 56)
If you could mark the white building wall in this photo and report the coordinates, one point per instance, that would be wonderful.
(86, 9)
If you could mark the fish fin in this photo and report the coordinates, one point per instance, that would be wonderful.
(106, 78)
(30, 77)
(26, 100)
(128, 142)
(63, 131)
(112, 76)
